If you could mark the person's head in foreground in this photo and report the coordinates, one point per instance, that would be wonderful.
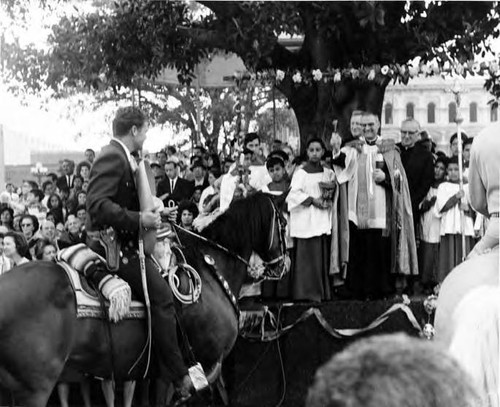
(392, 371)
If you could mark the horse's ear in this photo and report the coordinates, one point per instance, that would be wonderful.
(280, 200)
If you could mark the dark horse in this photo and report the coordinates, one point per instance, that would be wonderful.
(40, 333)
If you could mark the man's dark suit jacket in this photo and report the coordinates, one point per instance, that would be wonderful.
(419, 167)
(182, 190)
(112, 198)
(62, 182)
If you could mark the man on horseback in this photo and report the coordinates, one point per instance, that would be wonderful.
(113, 202)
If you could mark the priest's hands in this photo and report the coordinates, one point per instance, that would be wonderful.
(378, 176)
(321, 203)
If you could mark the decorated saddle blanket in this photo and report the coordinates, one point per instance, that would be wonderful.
(76, 259)
(88, 304)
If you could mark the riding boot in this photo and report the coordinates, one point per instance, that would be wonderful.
(164, 330)
(95, 274)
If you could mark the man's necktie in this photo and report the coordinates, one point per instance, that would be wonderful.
(172, 186)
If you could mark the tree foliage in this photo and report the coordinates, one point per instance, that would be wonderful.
(137, 39)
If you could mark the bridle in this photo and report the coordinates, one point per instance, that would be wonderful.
(269, 274)
(272, 262)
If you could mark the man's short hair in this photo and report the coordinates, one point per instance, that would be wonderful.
(126, 118)
(79, 208)
(46, 184)
(53, 176)
(392, 371)
(467, 142)
(410, 120)
(454, 137)
(38, 194)
(173, 160)
(197, 163)
(250, 137)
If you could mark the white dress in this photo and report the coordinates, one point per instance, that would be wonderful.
(308, 221)
(451, 221)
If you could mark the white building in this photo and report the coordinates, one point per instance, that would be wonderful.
(430, 101)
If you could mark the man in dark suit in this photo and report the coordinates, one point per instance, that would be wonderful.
(65, 181)
(112, 201)
(418, 163)
(174, 189)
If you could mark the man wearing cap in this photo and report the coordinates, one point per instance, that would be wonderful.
(113, 201)
(173, 188)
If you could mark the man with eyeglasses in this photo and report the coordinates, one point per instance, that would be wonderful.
(382, 250)
(418, 164)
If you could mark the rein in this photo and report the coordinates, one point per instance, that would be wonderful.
(213, 243)
(211, 262)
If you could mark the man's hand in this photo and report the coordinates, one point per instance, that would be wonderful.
(170, 213)
(320, 203)
(151, 219)
(378, 176)
(336, 142)
(460, 194)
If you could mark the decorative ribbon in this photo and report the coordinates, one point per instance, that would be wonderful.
(271, 335)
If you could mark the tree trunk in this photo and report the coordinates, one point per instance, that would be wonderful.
(316, 106)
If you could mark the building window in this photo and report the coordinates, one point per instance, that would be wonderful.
(494, 113)
(410, 111)
(452, 112)
(473, 112)
(431, 113)
(388, 113)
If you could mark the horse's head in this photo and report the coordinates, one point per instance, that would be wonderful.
(272, 250)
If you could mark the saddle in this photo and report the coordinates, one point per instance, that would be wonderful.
(74, 261)
(88, 304)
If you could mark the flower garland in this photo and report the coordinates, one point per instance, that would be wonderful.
(377, 73)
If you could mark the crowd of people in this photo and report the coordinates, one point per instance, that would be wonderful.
(367, 219)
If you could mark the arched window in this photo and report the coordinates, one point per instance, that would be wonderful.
(431, 113)
(410, 111)
(388, 113)
(494, 113)
(473, 112)
(452, 112)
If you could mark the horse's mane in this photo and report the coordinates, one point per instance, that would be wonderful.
(241, 223)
